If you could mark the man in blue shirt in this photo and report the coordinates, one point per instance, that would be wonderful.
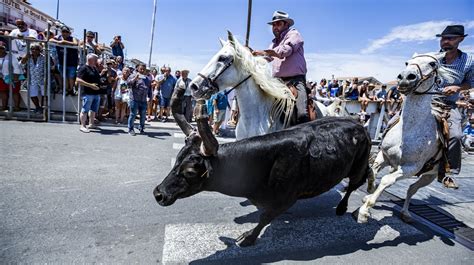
(220, 104)
(167, 84)
(463, 64)
(117, 46)
(140, 86)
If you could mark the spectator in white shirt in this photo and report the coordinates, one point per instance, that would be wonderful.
(22, 31)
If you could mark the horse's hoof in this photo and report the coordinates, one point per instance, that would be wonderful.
(406, 218)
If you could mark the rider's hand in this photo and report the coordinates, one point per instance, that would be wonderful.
(450, 90)
(258, 53)
(271, 53)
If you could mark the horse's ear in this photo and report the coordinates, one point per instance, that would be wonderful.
(222, 42)
(230, 36)
(415, 54)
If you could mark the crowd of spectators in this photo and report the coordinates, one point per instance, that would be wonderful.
(112, 90)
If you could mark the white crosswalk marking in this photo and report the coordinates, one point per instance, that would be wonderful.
(177, 146)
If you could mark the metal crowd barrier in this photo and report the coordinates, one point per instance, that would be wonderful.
(47, 47)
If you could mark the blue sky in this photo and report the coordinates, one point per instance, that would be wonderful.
(342, 37)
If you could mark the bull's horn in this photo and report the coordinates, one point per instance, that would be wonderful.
(209, 145)
(177, 109)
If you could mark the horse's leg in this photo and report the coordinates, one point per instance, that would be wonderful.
(386, 182)
(424, 180)
(378, 164)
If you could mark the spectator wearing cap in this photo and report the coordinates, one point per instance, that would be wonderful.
(88, 76)
(36, 63)
(287, 53)
(463, 65)
(140, 86)
(183, 83)
(117, 46)
(6, 78)
(91, 46)
(394, 101)
(23, 32)
(72, 59)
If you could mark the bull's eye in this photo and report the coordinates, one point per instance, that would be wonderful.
(189, 173)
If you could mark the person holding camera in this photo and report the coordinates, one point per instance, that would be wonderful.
(117, 46)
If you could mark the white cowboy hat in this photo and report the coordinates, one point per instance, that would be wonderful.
(280, 15)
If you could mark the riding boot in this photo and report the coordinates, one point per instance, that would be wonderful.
(301, 103)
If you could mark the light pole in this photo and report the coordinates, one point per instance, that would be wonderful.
(57, 10)
(152, 32)
(249, 18)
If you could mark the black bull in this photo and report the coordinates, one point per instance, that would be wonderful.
(273, 171)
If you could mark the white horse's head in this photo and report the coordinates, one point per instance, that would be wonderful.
(421, 73)
(220, 72)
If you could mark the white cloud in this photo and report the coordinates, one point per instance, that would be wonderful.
(384, 68)
(414, 33)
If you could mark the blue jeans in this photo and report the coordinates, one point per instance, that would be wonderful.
(135, 106)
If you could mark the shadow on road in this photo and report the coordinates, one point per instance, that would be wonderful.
(311, 230)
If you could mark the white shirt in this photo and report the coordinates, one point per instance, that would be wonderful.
(19, 46)
(184, 84)
(4, 66)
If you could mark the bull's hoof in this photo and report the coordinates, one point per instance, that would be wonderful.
(247, 243)
(246, 239)
(406, 218)
(341, 209)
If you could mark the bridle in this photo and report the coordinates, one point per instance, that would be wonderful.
(210, 81)
(425, 77)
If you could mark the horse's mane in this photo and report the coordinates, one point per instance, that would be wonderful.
(273, 87)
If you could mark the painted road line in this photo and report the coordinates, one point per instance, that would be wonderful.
(178, 146)
(215, 242)
(179, 135)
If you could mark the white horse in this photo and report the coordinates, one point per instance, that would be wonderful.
(265, 103)
(414, 140)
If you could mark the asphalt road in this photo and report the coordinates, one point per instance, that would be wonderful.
(66, 197)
